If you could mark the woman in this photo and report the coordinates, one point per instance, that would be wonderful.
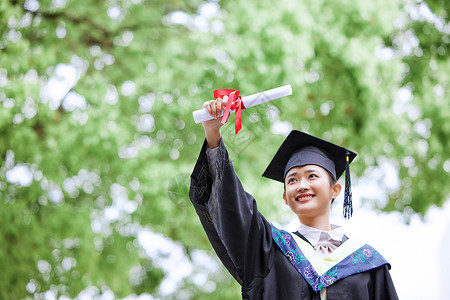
(316, 262)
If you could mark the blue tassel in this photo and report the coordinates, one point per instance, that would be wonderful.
(348, 207)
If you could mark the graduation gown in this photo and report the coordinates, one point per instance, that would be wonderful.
(270, 263)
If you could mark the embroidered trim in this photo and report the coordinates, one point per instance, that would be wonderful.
(364, 259)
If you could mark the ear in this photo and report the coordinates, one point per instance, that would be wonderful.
(284, 197)
(336, 190)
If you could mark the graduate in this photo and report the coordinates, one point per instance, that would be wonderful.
(316, 262)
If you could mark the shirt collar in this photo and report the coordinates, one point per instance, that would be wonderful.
(314, 235)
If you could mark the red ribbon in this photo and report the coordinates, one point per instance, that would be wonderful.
(234, 103)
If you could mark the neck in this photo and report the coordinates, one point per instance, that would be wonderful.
(318, 222)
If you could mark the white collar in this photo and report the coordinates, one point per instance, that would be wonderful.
(314, 235)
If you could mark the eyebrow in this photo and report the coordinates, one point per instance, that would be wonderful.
(291, 174)
(307, 171)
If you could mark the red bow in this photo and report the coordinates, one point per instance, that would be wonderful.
(234, 103)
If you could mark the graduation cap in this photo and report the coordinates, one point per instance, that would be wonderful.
(300, 149)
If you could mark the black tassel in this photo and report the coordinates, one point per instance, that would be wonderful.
(348, 208)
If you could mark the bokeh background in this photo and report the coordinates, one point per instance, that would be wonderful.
(97, 139)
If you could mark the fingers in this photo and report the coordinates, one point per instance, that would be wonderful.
(208, 107)
(224, 102)
(216, 107)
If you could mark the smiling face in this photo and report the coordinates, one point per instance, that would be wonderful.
(309, 192)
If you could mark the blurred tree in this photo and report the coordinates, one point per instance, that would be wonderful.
(98, 139)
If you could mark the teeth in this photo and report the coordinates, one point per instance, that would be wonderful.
(304, 197)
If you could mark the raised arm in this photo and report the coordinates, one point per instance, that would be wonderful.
(239, 234)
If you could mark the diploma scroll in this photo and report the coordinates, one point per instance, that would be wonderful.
(202, 115)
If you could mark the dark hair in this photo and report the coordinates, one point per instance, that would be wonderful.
(333, 182)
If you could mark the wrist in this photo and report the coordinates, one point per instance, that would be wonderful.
(213, 138)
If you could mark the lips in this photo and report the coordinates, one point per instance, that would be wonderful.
(304, 197)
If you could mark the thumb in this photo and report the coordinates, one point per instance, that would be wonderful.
(224, 102)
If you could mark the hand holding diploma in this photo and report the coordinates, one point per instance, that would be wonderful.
(234, 103)
(215, 109)
(229, 101)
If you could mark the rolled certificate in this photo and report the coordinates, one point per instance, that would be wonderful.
(202, 115)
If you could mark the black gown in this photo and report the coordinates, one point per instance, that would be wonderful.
(257, 255)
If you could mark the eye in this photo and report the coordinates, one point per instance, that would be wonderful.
(312, 175)
(292, 179)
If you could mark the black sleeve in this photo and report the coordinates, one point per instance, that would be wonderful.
(382, 286)
(238, 233)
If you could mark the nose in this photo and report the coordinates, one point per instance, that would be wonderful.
(302, 185)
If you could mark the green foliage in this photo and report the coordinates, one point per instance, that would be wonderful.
(112, 154)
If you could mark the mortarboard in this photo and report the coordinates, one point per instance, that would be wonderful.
(300, 149)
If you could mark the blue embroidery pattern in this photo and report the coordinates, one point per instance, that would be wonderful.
(364, 259)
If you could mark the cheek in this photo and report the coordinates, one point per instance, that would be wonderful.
(326, 192)
(290, 197)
